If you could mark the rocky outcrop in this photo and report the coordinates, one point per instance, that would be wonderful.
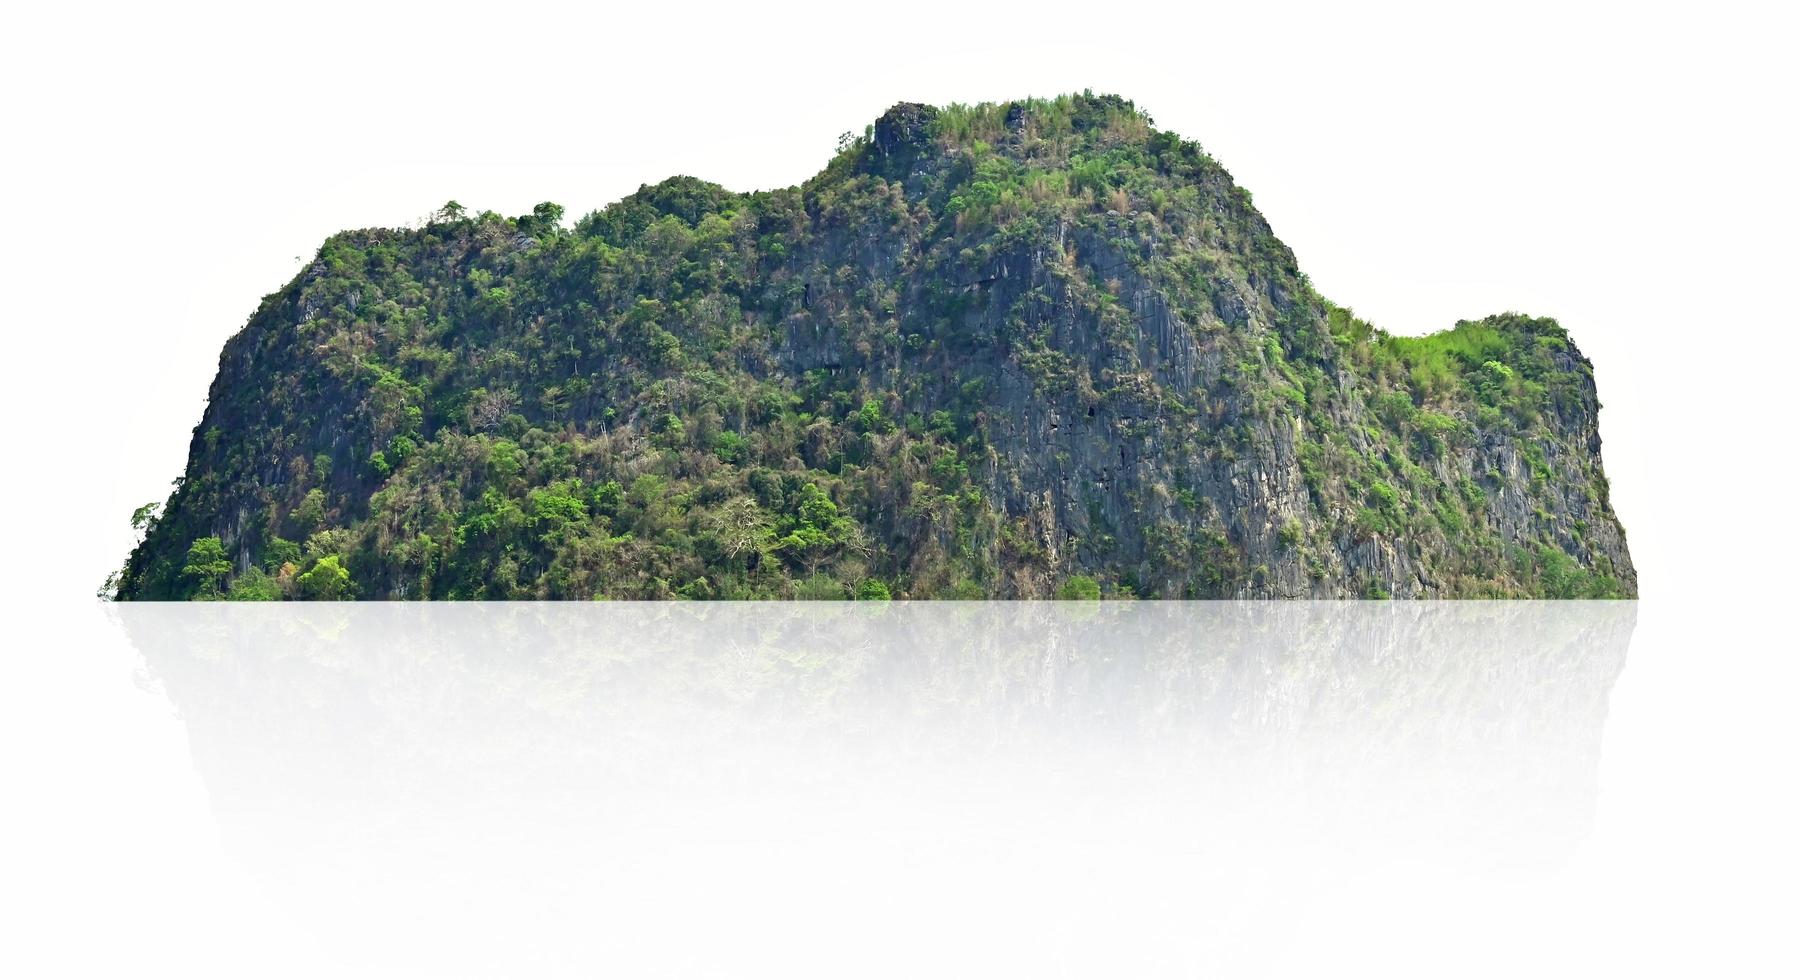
(1020, 350)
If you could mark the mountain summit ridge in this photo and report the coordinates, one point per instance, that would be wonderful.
(1012, 350)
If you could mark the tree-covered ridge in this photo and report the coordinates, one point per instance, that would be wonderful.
(1011, 350)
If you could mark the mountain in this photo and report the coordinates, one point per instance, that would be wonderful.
(1015, 350)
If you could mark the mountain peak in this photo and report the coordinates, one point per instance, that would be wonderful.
(907, 124)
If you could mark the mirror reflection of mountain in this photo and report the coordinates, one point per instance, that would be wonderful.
(521, 753)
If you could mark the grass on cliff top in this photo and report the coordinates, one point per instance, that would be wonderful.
(1505, 363)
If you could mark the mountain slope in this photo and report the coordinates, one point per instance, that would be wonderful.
(1013, 350)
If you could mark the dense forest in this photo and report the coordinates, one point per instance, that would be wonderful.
(1020, 350)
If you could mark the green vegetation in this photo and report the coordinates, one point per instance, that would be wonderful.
(1079, 587)
(873, 590)
(206, 567)
(1025, 349)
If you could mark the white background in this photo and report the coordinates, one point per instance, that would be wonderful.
(1626, 168)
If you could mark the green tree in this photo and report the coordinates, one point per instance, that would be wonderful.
(820, 588)
(816, 530)
(327, 579)
(207, 566)
(870, 419)
(311, 511)
(741, 528)
(873, 590)
(1079, 587)
(730, 447)
(144, 518)
(278, 552)
(254, 585)
(547, 215)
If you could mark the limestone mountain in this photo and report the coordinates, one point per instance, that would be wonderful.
(1013, 350)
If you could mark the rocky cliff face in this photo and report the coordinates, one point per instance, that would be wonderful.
(1012, 350)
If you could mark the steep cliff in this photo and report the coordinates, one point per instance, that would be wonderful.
(1014, 350)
